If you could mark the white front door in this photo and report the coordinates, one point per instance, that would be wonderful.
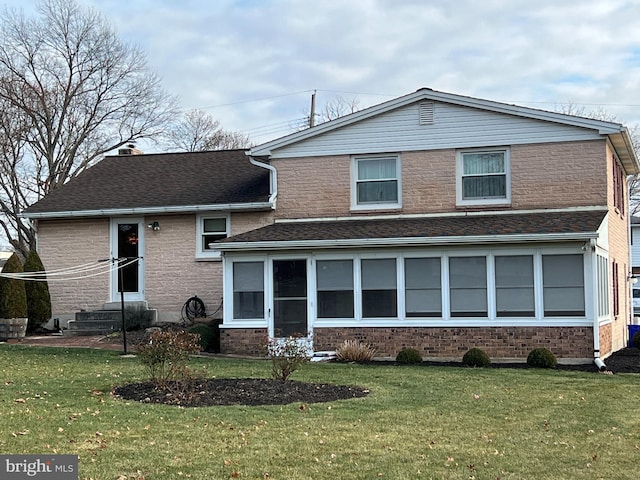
(127, 246)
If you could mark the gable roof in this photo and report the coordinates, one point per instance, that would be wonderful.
(451, 230)
(158, 183)
(615, 132)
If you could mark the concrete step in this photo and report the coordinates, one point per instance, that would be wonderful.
(103, 322)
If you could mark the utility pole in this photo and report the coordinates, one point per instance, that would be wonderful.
(312, 114)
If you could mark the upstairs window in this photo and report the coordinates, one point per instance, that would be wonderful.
(376, 182)
(483, 177)
(210, 229)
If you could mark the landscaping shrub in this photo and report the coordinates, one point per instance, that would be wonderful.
(355, 351)
(287, 355)
(38, 298)
(136, 318)
(408, 356)
(541, 358)
(13, 296)
(166, 355)
(207, 335)
(635, 340)
(476, 357)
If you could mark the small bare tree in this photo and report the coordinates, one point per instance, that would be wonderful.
(70, 91)
(337, 107)
(198, 131)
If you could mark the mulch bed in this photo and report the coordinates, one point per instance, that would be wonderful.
(237, 391)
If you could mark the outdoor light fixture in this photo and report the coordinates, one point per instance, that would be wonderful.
(155, 226)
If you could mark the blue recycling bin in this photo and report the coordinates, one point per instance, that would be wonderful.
(633, 329)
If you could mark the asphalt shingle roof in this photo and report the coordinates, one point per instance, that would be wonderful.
(161, 180)
(427, 227)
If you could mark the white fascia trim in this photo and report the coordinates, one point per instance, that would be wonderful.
(245, 324)
(109, 212)
(394, 242)
(603, 128)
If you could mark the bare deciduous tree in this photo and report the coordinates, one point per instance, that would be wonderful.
(70, 91)
(198, 131)
(337, 107)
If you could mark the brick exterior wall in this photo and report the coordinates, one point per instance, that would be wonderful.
(68, 243)
(613, 336)
(435, 343)
(242, 341)
(172, 272)
(542, 176)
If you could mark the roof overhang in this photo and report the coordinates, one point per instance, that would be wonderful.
(405, 242)
(113, 212)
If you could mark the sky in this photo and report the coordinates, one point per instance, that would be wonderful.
(253, 64)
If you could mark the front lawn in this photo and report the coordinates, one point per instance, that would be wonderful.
(416, 422)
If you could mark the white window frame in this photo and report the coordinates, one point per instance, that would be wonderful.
(460, 174)
(355, 205)
(200, 218)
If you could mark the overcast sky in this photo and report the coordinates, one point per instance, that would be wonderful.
(253, 64)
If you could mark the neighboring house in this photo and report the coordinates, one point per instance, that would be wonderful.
(4, 256)
(635, 262)
(434, 221)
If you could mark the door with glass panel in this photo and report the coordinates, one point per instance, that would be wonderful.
(290, 310)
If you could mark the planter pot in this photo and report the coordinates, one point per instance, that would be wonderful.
(13, 328)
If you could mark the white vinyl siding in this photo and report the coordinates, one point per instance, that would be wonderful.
(453, 127)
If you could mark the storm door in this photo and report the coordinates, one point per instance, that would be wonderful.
(290, 316)
(127, 246)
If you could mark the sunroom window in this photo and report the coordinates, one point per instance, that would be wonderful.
(423, 293)
(379, 288)
(335, 288)
(468, 286)
(514, 286)
(563, 285)
(248, 290)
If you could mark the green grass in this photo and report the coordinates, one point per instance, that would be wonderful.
(417, 422)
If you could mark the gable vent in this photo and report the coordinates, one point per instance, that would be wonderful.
(425, 110)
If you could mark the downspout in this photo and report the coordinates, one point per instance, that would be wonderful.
(592, 252)
(273, 179)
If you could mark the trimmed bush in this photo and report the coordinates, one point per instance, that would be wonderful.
(287, 355)
(38, 298)
(475, 357)
(355, 351)
(541, 358)
(13, 296)
(207, 335)
(166, 354)
(408, 356)
(635, 340)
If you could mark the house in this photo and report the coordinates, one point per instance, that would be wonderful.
(635, 262)
(434, 221)
(159, 212)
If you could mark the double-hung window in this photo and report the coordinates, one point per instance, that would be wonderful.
(335, 288)
(248, 290)
(376, 182)
(483, 177)
(379, 288)
(423, 291)
(563, 285)
(209, 229)
(468, 286)
(514, 286)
